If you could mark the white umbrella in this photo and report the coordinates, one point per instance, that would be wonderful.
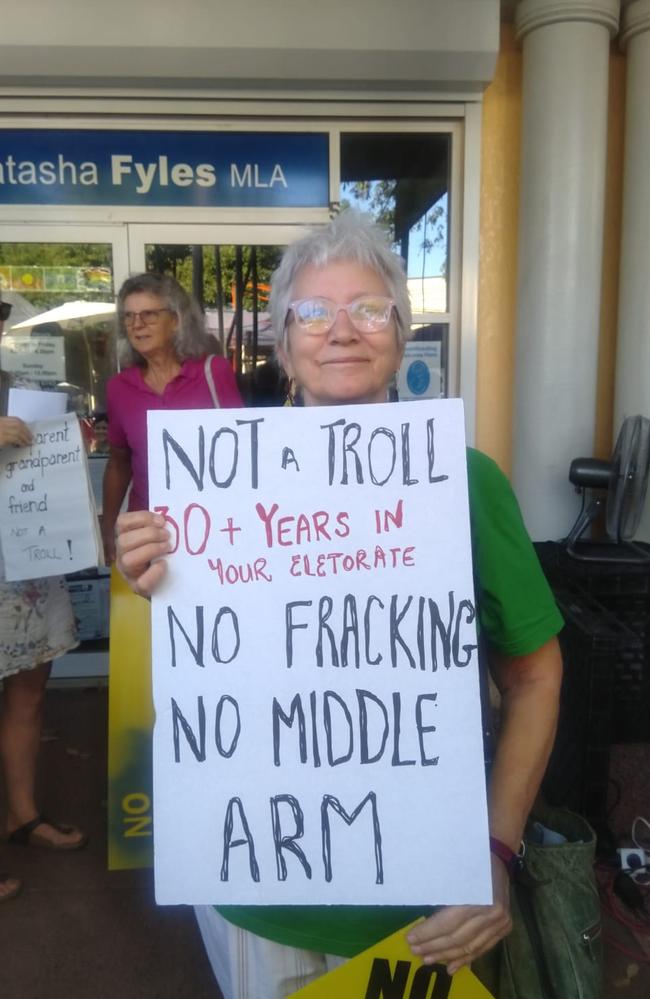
(68, 312)
(264, 330)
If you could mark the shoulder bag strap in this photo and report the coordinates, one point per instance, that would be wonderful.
(209, 377)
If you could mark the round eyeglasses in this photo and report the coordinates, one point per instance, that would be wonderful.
(316, 316)
(148, 316)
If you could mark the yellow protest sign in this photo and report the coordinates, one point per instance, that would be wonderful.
(130, 718)
(390, 971)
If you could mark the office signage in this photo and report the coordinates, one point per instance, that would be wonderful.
(172, 169)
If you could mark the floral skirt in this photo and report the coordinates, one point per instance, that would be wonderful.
(36, 623)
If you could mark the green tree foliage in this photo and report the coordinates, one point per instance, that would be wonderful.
(177, 261)
(384, 200)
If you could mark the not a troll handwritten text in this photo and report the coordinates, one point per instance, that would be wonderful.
(349, 460)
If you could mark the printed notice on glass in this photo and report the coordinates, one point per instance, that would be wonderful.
(318, 723)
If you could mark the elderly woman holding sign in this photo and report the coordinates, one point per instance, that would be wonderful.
(341, 314)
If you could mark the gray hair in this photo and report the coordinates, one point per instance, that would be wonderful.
(190, 340)
(349, 236)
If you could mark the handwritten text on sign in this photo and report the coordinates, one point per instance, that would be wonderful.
(318, 735)
(47, 525)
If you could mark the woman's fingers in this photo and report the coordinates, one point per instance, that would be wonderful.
(14, 431)
(458, 934)
(141, 540)
(466, 933)
(146, 583)
(127, 522)
(136, 531)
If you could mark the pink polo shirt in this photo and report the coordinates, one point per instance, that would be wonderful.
(129, 399)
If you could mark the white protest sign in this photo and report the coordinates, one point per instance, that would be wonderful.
(47, 520)
(318, 731)
(31, 404)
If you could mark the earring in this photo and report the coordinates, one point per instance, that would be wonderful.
(292, 392)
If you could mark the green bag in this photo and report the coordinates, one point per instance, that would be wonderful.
(555, 948)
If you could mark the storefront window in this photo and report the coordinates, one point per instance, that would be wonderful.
(402, 180)
(60, 331)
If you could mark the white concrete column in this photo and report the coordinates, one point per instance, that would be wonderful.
(633, 347)
(564, 127)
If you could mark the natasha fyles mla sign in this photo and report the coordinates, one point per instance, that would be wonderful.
(176, 169)
(318, 732)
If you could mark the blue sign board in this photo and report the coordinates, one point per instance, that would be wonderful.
(174, 169)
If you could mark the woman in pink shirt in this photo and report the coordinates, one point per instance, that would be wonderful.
(163, 348)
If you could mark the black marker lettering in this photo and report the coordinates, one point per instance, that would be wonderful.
(229, 842)
(290, 627)
(218, 725)
(426, 761)
(197, 475)
(278, 715)
(431, 454)
(331, 803)
(195, 649)
(282, 842)
(198, 748)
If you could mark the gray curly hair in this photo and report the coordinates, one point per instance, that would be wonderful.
(349, 236)
(190, 340)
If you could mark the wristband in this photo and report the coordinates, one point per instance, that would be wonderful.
(508, 857)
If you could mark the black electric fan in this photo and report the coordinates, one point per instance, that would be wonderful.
(618, 488)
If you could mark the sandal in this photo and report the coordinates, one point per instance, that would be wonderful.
(26, 835)
(10, 892)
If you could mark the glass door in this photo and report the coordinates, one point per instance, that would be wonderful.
(61, 283)
(408, 181)
(227, 269)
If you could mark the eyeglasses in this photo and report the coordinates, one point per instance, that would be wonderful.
(148, 316)
(316, 316)
(5, 310)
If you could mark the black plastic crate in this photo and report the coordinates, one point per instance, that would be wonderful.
(623, 590)
(593, 642)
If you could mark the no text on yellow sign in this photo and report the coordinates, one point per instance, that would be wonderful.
(389, 971)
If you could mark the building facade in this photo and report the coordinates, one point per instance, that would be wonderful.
(506, 146)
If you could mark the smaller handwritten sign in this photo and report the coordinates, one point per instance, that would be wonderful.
(48, 524)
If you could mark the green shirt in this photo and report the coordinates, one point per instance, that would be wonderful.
(518, 614)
